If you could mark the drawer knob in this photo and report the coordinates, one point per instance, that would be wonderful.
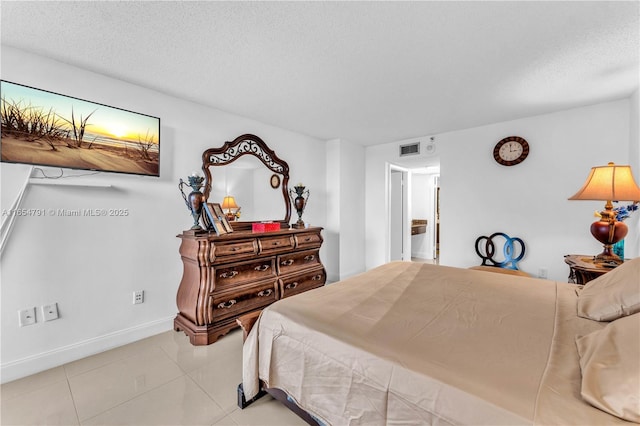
(235, 248)
(317, 277)
(287, 262)
(229, 274)
(227, 304)
(265, 293)
(261, 268)
(291, 286)
(307, 239)
(309, 257)
(275, 243)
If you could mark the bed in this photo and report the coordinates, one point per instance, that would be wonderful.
(414, 343)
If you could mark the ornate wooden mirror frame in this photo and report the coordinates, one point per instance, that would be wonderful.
(247, 145)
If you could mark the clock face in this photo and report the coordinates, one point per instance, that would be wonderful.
(275, 181)
(511, 151)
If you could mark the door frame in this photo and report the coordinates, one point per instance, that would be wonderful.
(436, 219)
(406, 206)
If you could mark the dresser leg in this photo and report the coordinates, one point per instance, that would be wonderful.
(200, 335)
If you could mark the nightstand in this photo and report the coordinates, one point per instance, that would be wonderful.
(583, 268)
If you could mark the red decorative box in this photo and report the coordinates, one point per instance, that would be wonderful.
(265, 226)
(272, 226)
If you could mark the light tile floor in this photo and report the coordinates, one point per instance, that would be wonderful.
(162, 380)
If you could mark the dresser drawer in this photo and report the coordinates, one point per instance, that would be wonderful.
(220, 250)
(300, 283)
(234, 274)
(309, 239)
(243, 299)
(292, 262)
(276, 244)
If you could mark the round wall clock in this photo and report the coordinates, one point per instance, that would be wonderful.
(511, 151)
(275, 181)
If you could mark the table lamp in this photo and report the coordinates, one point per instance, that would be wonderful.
(609, 183)
(229, 203)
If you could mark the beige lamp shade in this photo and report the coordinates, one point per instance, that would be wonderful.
(609, 183)
(229, 202)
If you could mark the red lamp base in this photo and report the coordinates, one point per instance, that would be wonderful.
(608, 232)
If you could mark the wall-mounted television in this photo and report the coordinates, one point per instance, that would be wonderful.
(49, 129)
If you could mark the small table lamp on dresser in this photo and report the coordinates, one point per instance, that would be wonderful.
(608, 183)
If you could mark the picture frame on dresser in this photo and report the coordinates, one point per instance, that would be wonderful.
(214, 222)
(207, 216)
(219, 213)
(220, 229)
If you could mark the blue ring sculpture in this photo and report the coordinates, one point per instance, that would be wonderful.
(508, 250)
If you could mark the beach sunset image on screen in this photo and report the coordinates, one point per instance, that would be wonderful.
(49, 129)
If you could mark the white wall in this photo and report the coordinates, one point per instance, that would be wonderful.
(352, 195)
(345, 209)
(632, 240)
(91, 265)
(479, 196)
(529, 200)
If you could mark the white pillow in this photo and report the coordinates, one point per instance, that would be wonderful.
(612, 295)
(610, 366)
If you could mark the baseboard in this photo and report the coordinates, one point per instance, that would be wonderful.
(332, 279)
(43, 361)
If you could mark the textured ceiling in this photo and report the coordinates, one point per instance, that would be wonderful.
(366, 72)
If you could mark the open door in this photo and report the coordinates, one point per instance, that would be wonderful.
(398, 213)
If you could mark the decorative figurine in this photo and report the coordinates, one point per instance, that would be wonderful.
(195, 199)
(299, 202)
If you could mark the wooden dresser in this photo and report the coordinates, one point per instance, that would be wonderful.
(231, 275)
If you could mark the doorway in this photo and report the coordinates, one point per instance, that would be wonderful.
(413, 193)
(424, 207)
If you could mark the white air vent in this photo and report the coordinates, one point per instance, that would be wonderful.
(410, 149)
(419, 149)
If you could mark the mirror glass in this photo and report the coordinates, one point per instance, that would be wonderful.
(248, 180)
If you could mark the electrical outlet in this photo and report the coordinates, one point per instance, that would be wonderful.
(138, 297)
(27, 316)
(543, 273)
(50, 312)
